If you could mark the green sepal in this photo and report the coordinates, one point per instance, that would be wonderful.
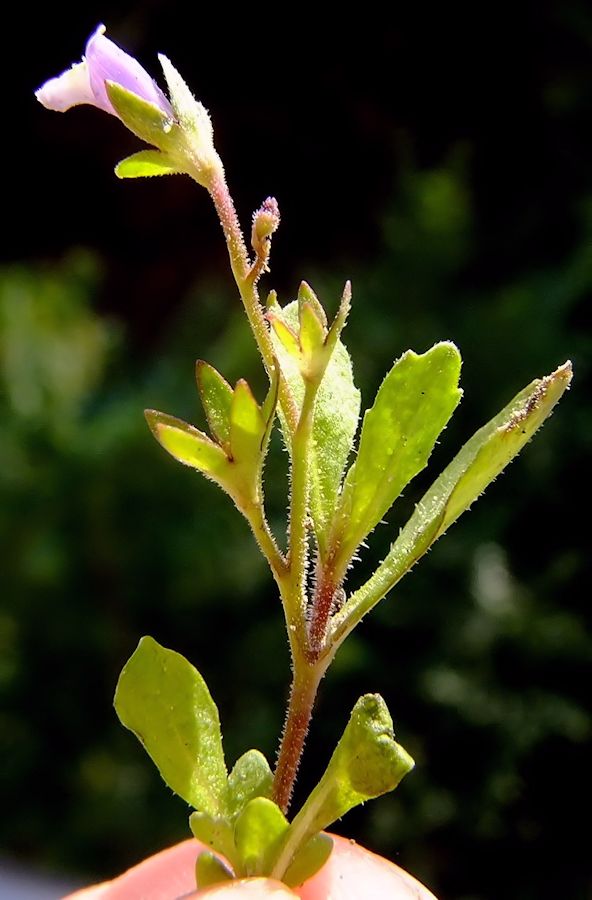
(164, 700)
(479, 462)
(308, 860)
(413, 405)
(258, 832)
(209, 870)
(250, 777)
(335, 421)
(147, 164)
(246, 424)
(216, 398)
(190, 113)
(187, 444)
(307, 295)
(312, 334)
(216, 832)
(146, 120)
(367, 763)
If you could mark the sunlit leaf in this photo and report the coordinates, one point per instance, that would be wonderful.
(479, 462)
(367, 763)
(164, 700)
(257, 834)
(251, 777)
(187, 444)
(413, 405)
(216, 398)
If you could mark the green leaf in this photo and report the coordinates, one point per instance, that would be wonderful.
(216, 398)
(216, 832)
(188, 445)
(367, 762)
(164, 700)
(246, 425)
(146, 164)
(209, 869)
(335, 421)
(308, 860)
(257, 834)
(146, 120)
(479, 462)
(413, 405)
(251, 777)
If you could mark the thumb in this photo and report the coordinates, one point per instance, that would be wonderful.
(246, 889)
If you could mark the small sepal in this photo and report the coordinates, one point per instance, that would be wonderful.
(146, 120)
(240, 429)
(196, 143)
(310, 343)
(147, 164)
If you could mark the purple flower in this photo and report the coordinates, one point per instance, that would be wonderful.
(85, 81)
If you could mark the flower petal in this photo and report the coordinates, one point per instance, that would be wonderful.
(108, 62)
(71, 88)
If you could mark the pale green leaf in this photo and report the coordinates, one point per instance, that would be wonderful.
(413, 405)
(335, 421)
(216, 398)
(146, 164)
(367, 763)
(209, 870)
(188, 445)
(308, 860)
(257, 835)
(164, 700)
(479, 462)
(146, 120)
(251, 777)
(215, 832)
(247, 427)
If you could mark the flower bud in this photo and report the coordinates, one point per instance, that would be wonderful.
(266, 221)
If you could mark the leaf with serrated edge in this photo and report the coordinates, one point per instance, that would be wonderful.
(251, 777)
(216, 398)
(479, 462)
(413, 405)
(210, 870)
(147, 164)
(367, 763)
(187, 445)
(257, 834)
(164, 700)
(336, 414)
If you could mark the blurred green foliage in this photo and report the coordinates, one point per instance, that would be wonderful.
(481, 653)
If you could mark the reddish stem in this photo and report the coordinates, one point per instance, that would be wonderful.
(302, 699)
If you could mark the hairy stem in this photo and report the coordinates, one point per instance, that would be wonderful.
(241, 269)
(302, 698)
(255, 516)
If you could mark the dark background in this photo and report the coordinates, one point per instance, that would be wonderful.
(442, 160)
